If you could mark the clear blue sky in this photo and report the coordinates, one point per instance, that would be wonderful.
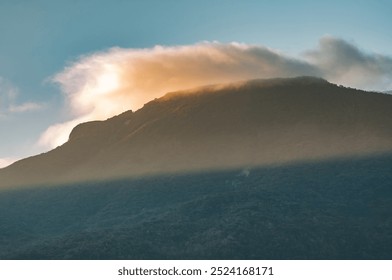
(39, 38)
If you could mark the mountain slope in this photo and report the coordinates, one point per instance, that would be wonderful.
(337, 209)
(252, 123)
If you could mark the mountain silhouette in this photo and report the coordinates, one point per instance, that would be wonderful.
(218, 127)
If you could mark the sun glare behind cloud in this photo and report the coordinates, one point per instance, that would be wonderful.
(108, 81)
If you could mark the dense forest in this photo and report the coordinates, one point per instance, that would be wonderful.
(336, 209)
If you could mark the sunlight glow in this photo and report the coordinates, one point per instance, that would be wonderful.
(107, 82)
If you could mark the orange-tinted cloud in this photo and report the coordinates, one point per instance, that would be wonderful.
(107, 83)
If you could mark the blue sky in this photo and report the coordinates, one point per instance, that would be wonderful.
(40, 38)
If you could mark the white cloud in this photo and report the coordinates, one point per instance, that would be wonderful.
(57, 134)
(106, 83)
(4, 162)
(8, 100)
(25, 107)
(8, 94)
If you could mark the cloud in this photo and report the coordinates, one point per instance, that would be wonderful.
(106, 83)
(58, 134)
(8, 100)
(25, 107)
(344, 63)
(8, 94)
(4, 162)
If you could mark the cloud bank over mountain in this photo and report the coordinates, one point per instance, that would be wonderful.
(103, 84)
(344, 63)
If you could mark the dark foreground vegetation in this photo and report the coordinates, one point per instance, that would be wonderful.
(340, 209)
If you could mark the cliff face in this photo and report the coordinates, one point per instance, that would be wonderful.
(259, 122)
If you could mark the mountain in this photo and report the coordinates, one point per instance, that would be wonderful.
(265, 169)
(219, 127)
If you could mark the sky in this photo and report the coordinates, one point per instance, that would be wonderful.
(66, 62)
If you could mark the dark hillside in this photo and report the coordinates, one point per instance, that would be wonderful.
(338, 209)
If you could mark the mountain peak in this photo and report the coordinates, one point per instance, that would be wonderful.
(300, 80)
(251, 84)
